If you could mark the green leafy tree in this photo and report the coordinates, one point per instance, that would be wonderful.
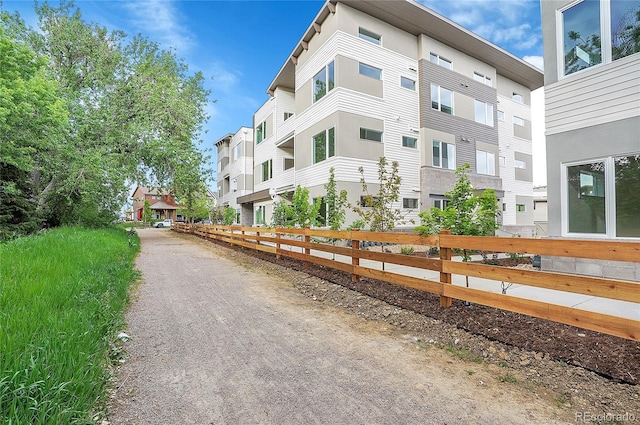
(378, 211)
(336, 202)
(229, 216)
(135, 114)
(32, 120)
(467, 213)
(299, 213)
(146, 212)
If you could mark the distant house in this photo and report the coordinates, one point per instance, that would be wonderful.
(163, 204)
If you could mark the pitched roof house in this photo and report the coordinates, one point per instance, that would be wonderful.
(163, 204)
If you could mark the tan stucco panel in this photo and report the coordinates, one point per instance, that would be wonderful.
(348, 76)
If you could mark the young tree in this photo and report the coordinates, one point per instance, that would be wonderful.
(228, 216)
(300, 213)
(336, 202)
(146, 212)
(378, 210)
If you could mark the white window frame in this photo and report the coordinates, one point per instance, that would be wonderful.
(364, 131)
(375, 70)
(404, 145)
(405, 205)
(481, 78)
(487, 108)
(327, 73)
(610, 199)
(451, 160)
(439, 60)
(438, 89)
(491, 164)
(518, 121)
(370, 36)
(500, 115)
(520, 164)
(263, 132)
(605, 38)
(327, 145)
(269, 163)
(412, 83)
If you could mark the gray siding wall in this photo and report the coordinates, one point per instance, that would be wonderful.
(469, 129)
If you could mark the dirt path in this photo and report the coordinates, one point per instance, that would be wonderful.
(218, 342)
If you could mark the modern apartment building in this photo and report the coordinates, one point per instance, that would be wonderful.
(592, 90)
(235, 170)
(394, 79)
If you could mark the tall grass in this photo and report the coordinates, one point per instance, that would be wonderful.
(62, 299)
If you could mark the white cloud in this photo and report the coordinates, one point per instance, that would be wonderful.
(537, 61)
(161, 21)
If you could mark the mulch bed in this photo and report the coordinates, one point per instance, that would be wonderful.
(609, 356)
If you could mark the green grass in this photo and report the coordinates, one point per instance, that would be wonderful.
(62, 300)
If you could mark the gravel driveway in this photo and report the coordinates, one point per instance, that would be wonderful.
(214, 341)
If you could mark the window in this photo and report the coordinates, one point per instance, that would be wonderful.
(485, 163)
(581, 36)
(442, 99)
(625, 28)
(441, 204)
(520, 164)
(261, 132)
(500, 115)
(482, 78)
(407, 83)
(518, 121)
(444, 155)
(324, 145)
(484, 113)
(409, 142)
(267, 170)
(288, 164)
(439, 60)
(287, 115)
(370, 71)
(237, 151)
(411, 203)
(368, 134)
(323, 82)
(521, 208)
(371, 37)
(234, 185)
(504, 207)
(517, 97)
(503, 161)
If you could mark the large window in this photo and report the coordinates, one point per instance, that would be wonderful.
(260, 214)
(370, 71)
(485, 163)
(410, 203)
(484, 112)
(266, 169)
(442, 99)
(261, 132)
(323, 82)
(324, 145)
(371, 37)
(599, 31)
(368, 134)
(602, 197)
(444, 155)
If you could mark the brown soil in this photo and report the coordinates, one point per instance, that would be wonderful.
(566, 359)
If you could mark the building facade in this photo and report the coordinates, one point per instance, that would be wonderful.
(235, 171)
(370, 79)
(592, 102)
(592, 91)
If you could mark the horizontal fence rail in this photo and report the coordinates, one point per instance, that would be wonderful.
(343, 250)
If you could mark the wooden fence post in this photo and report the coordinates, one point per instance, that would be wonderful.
(445, 278)
(355, 259)
(307, 250)
(278, 256)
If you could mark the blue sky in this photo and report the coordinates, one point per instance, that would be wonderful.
(240, 45)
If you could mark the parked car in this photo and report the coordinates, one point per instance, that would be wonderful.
(164, 223)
